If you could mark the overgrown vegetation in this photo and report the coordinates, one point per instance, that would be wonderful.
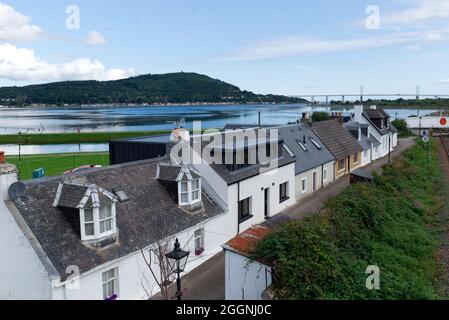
(152, 88)
(401, 125)
(390, 223)
(320, 116)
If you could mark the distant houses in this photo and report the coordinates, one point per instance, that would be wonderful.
(99, 233)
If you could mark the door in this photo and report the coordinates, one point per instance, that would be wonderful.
(314, 181)
(267, 202)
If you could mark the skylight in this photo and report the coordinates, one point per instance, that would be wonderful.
(288, 150)
(316, 144)
(303, 147)
(121, 195)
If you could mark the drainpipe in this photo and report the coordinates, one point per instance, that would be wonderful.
(238, 204)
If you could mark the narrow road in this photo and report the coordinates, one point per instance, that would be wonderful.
(207, 281)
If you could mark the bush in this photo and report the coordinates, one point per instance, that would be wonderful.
(385, 224)
(320, 116)
(401, 125)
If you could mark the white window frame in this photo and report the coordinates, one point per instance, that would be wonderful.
(199, 235)
(189, 192)
(108, 218)
(114, 280)
(325, 174)
(287, 191)
(304, 185)
(96, 215)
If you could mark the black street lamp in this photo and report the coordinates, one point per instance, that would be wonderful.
(177, 260)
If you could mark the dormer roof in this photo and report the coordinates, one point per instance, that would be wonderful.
(82, 196)
(175, 173)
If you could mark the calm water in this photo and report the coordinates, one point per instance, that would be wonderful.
(152, 118)
(149, 118)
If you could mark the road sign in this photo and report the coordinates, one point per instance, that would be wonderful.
(425, 139)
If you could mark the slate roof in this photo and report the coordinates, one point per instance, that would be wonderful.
(232, 177)
(169, 173)
(337, 139)
(353, 128)
(313, 157)
(374, 115)
(72, 196)
(149, 215)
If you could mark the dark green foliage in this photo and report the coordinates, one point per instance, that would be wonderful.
(388, 224)
(164, 88)
(320, 116)
(401, 125)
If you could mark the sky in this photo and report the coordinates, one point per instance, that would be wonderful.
(291, 47)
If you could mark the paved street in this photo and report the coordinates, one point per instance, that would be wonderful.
(207, 281)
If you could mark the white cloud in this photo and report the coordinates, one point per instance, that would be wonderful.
(94, 38)
(15, 26)
(21, 64)
(419, 11)
(301, 45)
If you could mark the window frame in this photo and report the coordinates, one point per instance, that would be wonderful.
(325, 175)
(338, 165)
(356, 158)
(304, 185)
(114, 280)
(199, 236)
(284, 187)
(245, 216)
(190, 191)
(98, 235)
(107, 218)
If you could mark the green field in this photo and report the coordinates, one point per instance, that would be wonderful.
(67, 138)
(56, 164)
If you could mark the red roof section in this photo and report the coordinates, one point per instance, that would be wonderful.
(246, 242)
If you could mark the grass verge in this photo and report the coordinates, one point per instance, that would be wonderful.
(56, 164)
(66, 138)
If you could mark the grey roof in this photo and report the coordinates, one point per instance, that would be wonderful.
(336, 138)
(353, 128)
(149, 215)
(313, 157)
(362, 173)
(169, 173)
(232, 177)
(73, 194)
(374, 116)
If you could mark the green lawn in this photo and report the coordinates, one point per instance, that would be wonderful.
(66, 138)
(56, 164)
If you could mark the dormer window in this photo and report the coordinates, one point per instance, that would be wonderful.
(96, 208)
(189, 192)
(98, 222)
(182, 183)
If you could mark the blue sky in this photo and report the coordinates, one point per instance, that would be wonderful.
(284, 46)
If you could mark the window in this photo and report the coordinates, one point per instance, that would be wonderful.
(245, 209)
(341, 165)
(304, 185)
(303, 147)
(356, 158)
(184, 192)
(365, 153)
(283, 192)
(105, 219)
(288, 150)
(315, 143)
(110, 284)
(199, 241)
(195, 189)
(325, 175)
(89, 229)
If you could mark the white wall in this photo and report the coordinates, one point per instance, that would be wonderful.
(22, 274)
(254, 188)
(308, 175)
(245, 279)
(132, 270)
(427, 122)
(366, 156)
(5, 181)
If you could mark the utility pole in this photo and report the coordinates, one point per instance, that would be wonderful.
(361, 94)
(417, 92)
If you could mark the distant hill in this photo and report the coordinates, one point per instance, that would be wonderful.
(152, 89)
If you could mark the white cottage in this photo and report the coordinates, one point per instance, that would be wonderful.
(83, 236)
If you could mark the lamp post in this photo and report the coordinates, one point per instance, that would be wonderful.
(420, 119)
(177, 260)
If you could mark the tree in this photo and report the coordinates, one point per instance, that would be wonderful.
(320, 116)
